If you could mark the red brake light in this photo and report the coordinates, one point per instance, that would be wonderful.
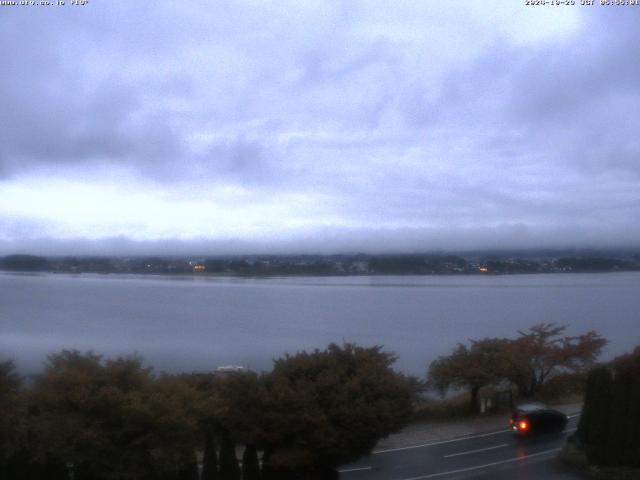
(523, 425)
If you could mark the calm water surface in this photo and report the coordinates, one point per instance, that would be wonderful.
(185, 323)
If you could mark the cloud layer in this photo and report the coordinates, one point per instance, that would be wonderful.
(318, 126)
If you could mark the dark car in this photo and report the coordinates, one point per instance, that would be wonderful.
(534, 418)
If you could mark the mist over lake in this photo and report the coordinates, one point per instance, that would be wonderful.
(199, 323)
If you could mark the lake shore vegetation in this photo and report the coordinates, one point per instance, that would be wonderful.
(90, 418)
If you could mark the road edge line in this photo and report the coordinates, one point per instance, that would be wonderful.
(440, 442)
(478, 450)
(478, 467)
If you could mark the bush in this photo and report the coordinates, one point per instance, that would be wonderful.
(609, 427)
(329, 407)
(455, 407)
(113, 418)
(562, 386)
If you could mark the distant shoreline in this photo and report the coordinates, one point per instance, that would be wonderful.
(339, 265)
(309, 275)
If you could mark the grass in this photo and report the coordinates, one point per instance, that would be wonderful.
(430, 409)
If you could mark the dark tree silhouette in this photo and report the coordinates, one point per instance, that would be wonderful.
(483, 363)
(329, 407)
(544, 351)
(229, 469)
(250, 464)
(209, 459)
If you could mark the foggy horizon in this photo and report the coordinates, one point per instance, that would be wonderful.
(126, 248)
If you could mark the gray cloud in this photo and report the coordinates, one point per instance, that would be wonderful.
(320, 120)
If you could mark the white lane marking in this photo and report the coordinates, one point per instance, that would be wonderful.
(442, 442)
(478, 467)
(567, 430)
(356, 469)
(469, 452)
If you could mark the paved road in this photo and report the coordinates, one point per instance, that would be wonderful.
(492, 455)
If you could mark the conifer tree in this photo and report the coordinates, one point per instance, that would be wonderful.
(627, 368)
(229, 469)
(618, 418)
(188, 469)
(594, 422)
(210, 458)
(267, 469)
(250, 465)
(632, 437)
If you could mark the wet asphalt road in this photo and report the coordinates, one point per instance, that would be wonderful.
(493, 455)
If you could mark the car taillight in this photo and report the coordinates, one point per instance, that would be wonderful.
(523, 425)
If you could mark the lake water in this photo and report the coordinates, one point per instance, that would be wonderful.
(187, 323)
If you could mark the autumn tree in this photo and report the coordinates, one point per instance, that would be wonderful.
(112, 418)
(10, 384)
(18, 460)
(483, 362)
(240, 401)
(329, 407)
(232, 407)
(66, 408)
(544, 350)
(527, 362)
(169, 414)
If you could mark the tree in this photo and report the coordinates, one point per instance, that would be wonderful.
(188, 468)
(250, 464)
(10, 381)
(229, 469)
(542, 351)
(609, 428)
(483, 363)
(618, 416)
(25, 263)
(593, 429)
(209, 458)
(329, 407)
(112, 418)
(231, 410)
(627, 410)
(237, 402)
(10, 384)
(67, 403)
(168, 414)
(17, 457)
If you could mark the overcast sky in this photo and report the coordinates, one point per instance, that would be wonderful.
(317, 126)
